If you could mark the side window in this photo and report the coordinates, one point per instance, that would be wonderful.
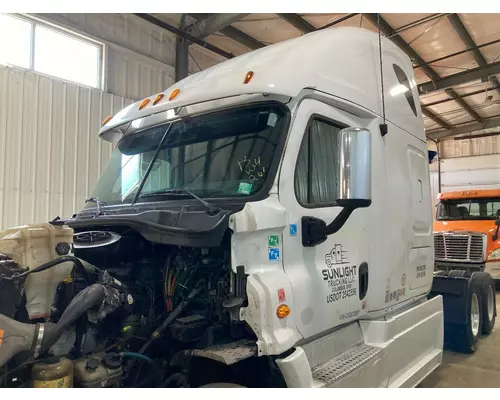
(316, 170)
(403, 80)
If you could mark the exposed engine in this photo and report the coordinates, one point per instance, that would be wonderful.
(129, 314)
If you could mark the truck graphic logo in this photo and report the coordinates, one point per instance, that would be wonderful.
(336, 256)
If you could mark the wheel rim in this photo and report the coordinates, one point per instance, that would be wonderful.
(491, 303)
(474, 314)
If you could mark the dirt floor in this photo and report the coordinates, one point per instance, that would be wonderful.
(481, 369)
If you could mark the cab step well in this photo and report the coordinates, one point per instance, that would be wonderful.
(345, 363)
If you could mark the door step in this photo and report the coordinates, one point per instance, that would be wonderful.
(343, 364)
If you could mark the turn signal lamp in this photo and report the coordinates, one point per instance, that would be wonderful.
(106, 120)
(158, 98)
(144, 103)
(248, 77)
(174, 94)
(283, 311)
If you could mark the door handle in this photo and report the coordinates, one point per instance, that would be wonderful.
(363, 280)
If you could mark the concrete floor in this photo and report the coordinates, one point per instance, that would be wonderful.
(478, 370)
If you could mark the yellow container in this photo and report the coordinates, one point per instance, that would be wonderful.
(55, 373)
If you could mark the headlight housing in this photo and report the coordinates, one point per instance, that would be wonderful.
(494, 255)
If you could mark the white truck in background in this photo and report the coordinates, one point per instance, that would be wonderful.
(265, 222)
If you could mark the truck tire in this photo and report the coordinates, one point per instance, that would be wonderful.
(470, 338)
(457, 273)
(488, 299)
(222, 385)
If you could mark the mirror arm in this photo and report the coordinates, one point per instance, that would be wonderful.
(315, 230)
(348, 207)
(339, 221)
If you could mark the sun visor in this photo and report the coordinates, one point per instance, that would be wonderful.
(113, 135)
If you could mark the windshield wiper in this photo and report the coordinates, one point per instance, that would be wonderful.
(211, 209)
(98, 204)
(150, 166)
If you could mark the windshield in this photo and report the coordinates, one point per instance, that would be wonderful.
(222, 154)
(469, 209)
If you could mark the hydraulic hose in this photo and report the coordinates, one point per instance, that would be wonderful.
(129, 354)
(77, 264)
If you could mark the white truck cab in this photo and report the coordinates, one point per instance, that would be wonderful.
(351, 285)
(319, 177)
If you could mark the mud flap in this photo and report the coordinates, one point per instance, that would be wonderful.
(455, 292)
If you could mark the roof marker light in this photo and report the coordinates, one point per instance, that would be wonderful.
(106, 120)
(158, 98)
(248, 77)
(144, 103)
(174, 94)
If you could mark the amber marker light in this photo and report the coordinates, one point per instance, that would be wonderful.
(248, 77)
(144, 103)
(158, 98)
(106, 120)
(283, 311)
(174, 94)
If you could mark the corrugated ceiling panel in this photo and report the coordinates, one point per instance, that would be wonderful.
(268, 28)
(482, 27)
(472, 86)
(397, 21)
(228, 44)
(319, 20)
(491, 53)
(445, 109)
(487, 103)
(358, 21)
(430, 125)
(50, 154)
(491, 110)
(457, 118)
(454, 65)
(434, 39)
(420, 76)
(432, 97)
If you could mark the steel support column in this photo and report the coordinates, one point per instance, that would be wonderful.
(181, 54)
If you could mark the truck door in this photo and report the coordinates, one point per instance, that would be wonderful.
(329, 281)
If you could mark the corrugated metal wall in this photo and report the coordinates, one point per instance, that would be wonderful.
(467, 164)
(50, 154)
(451, 148)
(462, 173)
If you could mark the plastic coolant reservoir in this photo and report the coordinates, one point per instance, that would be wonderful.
(30, 246)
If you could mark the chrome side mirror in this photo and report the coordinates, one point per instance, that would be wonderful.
(354, 173)
(354, 176)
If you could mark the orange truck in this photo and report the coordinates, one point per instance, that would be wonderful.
(466, 233)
